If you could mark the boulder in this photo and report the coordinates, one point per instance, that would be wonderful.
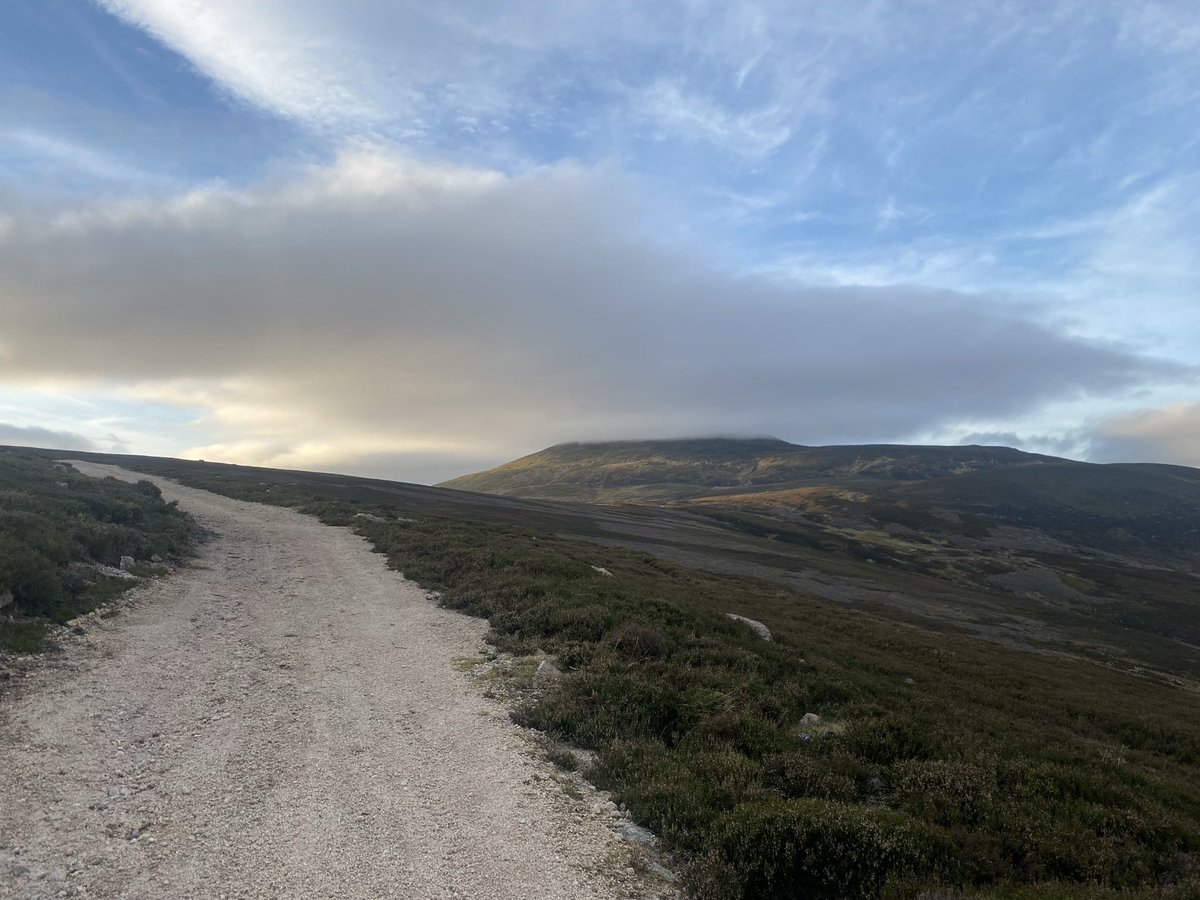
(638, 835)
(547, 671)
(127, 563)
(757, 627)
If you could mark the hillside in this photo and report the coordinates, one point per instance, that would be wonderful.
(623, 471)
(953, 703)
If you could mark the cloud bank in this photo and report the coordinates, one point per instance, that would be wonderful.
(34, 436)
(1170, 434)
(381, 310)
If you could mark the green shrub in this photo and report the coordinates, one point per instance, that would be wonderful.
(51, 519)
(34, 580)
(818, 848)
(22, 636)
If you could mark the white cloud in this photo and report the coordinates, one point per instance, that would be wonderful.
(245, 47)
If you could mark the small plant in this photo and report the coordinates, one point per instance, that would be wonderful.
(563, 758)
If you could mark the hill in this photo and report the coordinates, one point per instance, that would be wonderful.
(623, 471)
(1148, 511)
(954, 702)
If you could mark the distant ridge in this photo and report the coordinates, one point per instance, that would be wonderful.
(631, 471)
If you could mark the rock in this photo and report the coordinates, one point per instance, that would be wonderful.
(638, 835)
(547, 671)
(370, 517)
(111, 572)
(757, 627)
(661, 871)
(810, 719)
(127, 563)
(602, 571)
(6, 599)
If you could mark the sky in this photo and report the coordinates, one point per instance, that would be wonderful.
(415, 239)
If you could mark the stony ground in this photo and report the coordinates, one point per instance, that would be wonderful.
(284, 718)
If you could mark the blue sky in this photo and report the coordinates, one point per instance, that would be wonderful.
(414, 238)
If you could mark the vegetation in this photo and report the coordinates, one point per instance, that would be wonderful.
(55, 525)
(936, 759)
(935, 762)
(623, 471)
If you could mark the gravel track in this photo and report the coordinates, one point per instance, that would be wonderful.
(283, 719)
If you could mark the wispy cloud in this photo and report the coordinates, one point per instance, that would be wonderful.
(75, 157)
(755, 134)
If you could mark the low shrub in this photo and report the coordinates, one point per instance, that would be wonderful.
(52, 518)
(819, 848)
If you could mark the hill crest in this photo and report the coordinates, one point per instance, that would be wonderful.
(631, 471)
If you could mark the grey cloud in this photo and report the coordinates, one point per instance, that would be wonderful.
(34, 436)
(991, 438)
(500, 315)
(1072, 444)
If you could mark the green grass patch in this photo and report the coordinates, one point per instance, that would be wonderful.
(18, 636)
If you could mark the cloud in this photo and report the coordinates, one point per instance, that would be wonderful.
(398, 68)
(34, 436)
(72, 156)
(753, 135)
(378, 308)
(1072, 443)
(1169, 434)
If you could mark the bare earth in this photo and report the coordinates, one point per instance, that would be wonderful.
(283, 719)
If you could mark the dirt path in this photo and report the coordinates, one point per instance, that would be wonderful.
(283, 719)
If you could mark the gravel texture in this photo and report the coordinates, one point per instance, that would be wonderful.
(284, 718)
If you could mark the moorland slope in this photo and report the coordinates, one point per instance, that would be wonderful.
(953, 701)
(622, 471)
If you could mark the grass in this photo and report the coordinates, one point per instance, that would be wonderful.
(17, 636)
(940, 765)
(55, 523)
